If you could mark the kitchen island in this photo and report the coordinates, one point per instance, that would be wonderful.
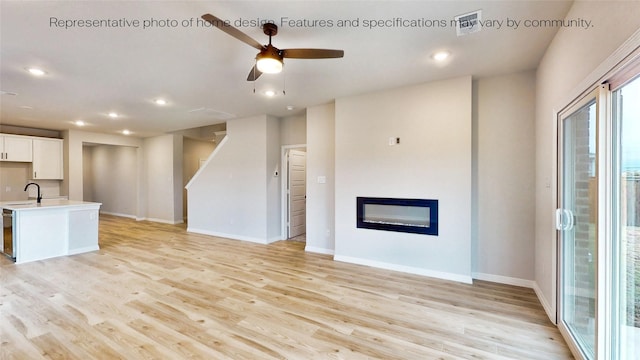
(52, 228)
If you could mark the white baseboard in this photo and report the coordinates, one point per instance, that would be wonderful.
(551, 313)
(164, 221)
(407, 269)
(318, 250)
(504, 280)
(83, 250)
(119, 214)
(228, 236)
(274, 239)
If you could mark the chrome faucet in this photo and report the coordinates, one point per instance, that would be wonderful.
(39, 198)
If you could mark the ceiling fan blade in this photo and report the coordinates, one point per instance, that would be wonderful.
(220, 24)
(312, 53)
(254, 74)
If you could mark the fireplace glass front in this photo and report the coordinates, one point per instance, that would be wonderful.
(393, 214)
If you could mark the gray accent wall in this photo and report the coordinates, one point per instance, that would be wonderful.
(110, 178)
(504, 174)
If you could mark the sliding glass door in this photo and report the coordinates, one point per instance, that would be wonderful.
(626, 230)
(598, 220)
(576, 220)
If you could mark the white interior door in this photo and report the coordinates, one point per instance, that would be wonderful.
(297, 192)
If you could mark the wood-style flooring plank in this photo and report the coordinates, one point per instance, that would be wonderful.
(154, 291)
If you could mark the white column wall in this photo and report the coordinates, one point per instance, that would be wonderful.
(272, 158)
(164, 178)
(320, 167)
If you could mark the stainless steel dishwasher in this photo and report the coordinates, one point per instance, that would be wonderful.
(8, 240)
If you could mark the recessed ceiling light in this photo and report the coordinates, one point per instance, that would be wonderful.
(290, 107)
(113, 115)
(79, 123)
(126, 132)
(36, 71)
(441, 55)
(160, 102)
(270, 93)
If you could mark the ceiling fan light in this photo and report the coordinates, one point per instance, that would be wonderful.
(269, 65)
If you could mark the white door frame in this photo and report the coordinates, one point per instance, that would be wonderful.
(283, 186)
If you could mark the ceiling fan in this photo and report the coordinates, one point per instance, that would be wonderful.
(270, 59)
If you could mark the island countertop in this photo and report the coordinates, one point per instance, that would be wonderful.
(30, 205)
(55, 227)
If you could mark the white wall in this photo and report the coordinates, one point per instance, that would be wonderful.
(87, 173)
(178, 184)
(232, 194)
(13, 177)
(573, 56)
(320, 163)
(433, 161)
(505, 161)
(293, 130)
(274, 204)
(193, 152)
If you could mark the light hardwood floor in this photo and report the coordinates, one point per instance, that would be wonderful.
(154, 291)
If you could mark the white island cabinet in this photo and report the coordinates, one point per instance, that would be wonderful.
(53, 228)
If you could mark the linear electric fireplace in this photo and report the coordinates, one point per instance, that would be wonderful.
(418, 216)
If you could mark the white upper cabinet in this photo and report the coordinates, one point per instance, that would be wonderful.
(47, 159)
(15, 148)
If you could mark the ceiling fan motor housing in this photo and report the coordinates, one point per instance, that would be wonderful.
(270, 29)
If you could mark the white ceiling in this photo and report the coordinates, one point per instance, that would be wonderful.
(202, 71)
